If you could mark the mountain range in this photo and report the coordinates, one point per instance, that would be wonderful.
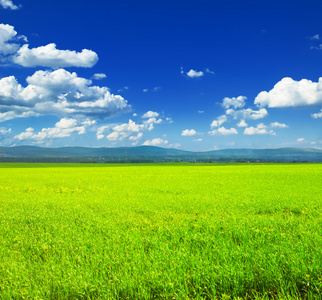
(155, 154)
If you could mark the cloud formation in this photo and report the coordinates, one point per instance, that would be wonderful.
(99, 76)
(247, 114)
(156, 142)
(292, 93)
(8, 41)
(242, 123)
(220, 120)
(235, 102)
(317, 115)
(278, 125)
(195, 74)
(188, 132)
(223, 131)
(49, 56)
(132, 130)
(260, 129)
(8, 4)
(150, 114)
(59, 93)
(64, 128)
(44, 56)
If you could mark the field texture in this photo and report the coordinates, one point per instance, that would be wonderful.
(160, 231)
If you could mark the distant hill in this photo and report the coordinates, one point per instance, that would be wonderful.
(155, 154)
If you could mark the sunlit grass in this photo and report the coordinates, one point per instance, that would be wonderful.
(161, 231)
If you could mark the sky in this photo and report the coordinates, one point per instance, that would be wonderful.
(195, 75)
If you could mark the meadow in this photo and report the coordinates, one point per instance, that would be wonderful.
(166, 231)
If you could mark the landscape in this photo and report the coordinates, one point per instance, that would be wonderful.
(144, 154)
(164, 149)
(160, 231)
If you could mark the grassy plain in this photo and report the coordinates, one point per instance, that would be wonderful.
(160, 231)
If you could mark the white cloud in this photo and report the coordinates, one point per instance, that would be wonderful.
(260, 129)
(124, 88)
(150, 114)
(156, 142)
(4, 131)
(49, 56)
(64, 128)
(223, 131)
(248, 113)
(317, 115)
(279, 125)
(201, 111)
(131, 130)
(99, 76)
(242, 123)
(195, 74)
(188, 132)
(220, 120)
(137, 137)
(8, 37)
(209, 71)
(261, 126)
(197, 140)
(149, 123)
(145, 90)
(292, 93)
(300, 139)
(236, 102)
(8, 4)
(315, 37)
(45, 56)
(57, 93)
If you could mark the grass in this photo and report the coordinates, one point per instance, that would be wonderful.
(160, 231)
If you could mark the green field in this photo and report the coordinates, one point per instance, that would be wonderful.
(160, 231)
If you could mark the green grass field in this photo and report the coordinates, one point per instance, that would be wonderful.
(160, 231)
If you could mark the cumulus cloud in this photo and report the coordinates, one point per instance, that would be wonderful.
(242, 123)
(99, 76)
(292, 93)
(220, 120)
(315, 37)
(8, 4)
(156, 142)
(8, 40)
(64, 128)
(195, 74)
(235, 102)
(260, 129)
(4, 134)
(49, 56)
(58, 93)
(300, 139)
(131, 130)
(150, 114)
(188, 132)
(279, 125)
(317, 115)
(151, 121)
(223, 131)
(44, 56)
(248, 113)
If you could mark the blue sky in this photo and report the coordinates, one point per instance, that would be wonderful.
(195, 75)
